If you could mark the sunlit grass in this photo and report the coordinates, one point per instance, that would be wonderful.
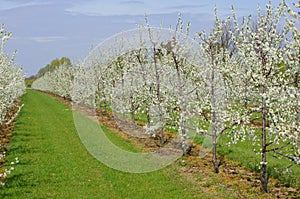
(55, 164)
(242, 152)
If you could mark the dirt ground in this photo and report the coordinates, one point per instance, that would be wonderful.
(6, 131)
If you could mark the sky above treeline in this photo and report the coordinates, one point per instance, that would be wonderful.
(47, 29)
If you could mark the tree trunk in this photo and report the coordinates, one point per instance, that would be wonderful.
(123, 97)
(183, 145)
(148, 117)
(246, 95)
(182, 122)
(145, 85)
(263, 172)
(214, 136)
(158, 95)
(132, 111)
(214, 159)
(214, 117)
(132, 118)
(105, 108)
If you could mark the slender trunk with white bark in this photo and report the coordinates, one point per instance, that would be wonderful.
(158, 95)
(263, 171)
(182, 121)
(214, 116)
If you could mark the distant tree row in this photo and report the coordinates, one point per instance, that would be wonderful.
(53, 65)
(48, 68)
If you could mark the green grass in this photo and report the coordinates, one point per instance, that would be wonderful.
(243, 153)
(55, 164)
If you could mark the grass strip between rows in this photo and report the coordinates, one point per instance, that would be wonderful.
(55, 164)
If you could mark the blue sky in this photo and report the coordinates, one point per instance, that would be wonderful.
(47, 29)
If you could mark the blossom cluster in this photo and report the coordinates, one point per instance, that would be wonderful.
(12, 81)
(6, 172)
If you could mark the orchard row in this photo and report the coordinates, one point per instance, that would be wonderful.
(12, 81)
(241, 79)
(12, 87)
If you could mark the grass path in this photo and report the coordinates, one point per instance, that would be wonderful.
(55, 164)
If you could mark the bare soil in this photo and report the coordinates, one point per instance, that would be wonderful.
(6, 131)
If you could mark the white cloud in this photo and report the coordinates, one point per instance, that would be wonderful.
(46, 39)
(8, 5)
(131, 7)
(132, 2)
